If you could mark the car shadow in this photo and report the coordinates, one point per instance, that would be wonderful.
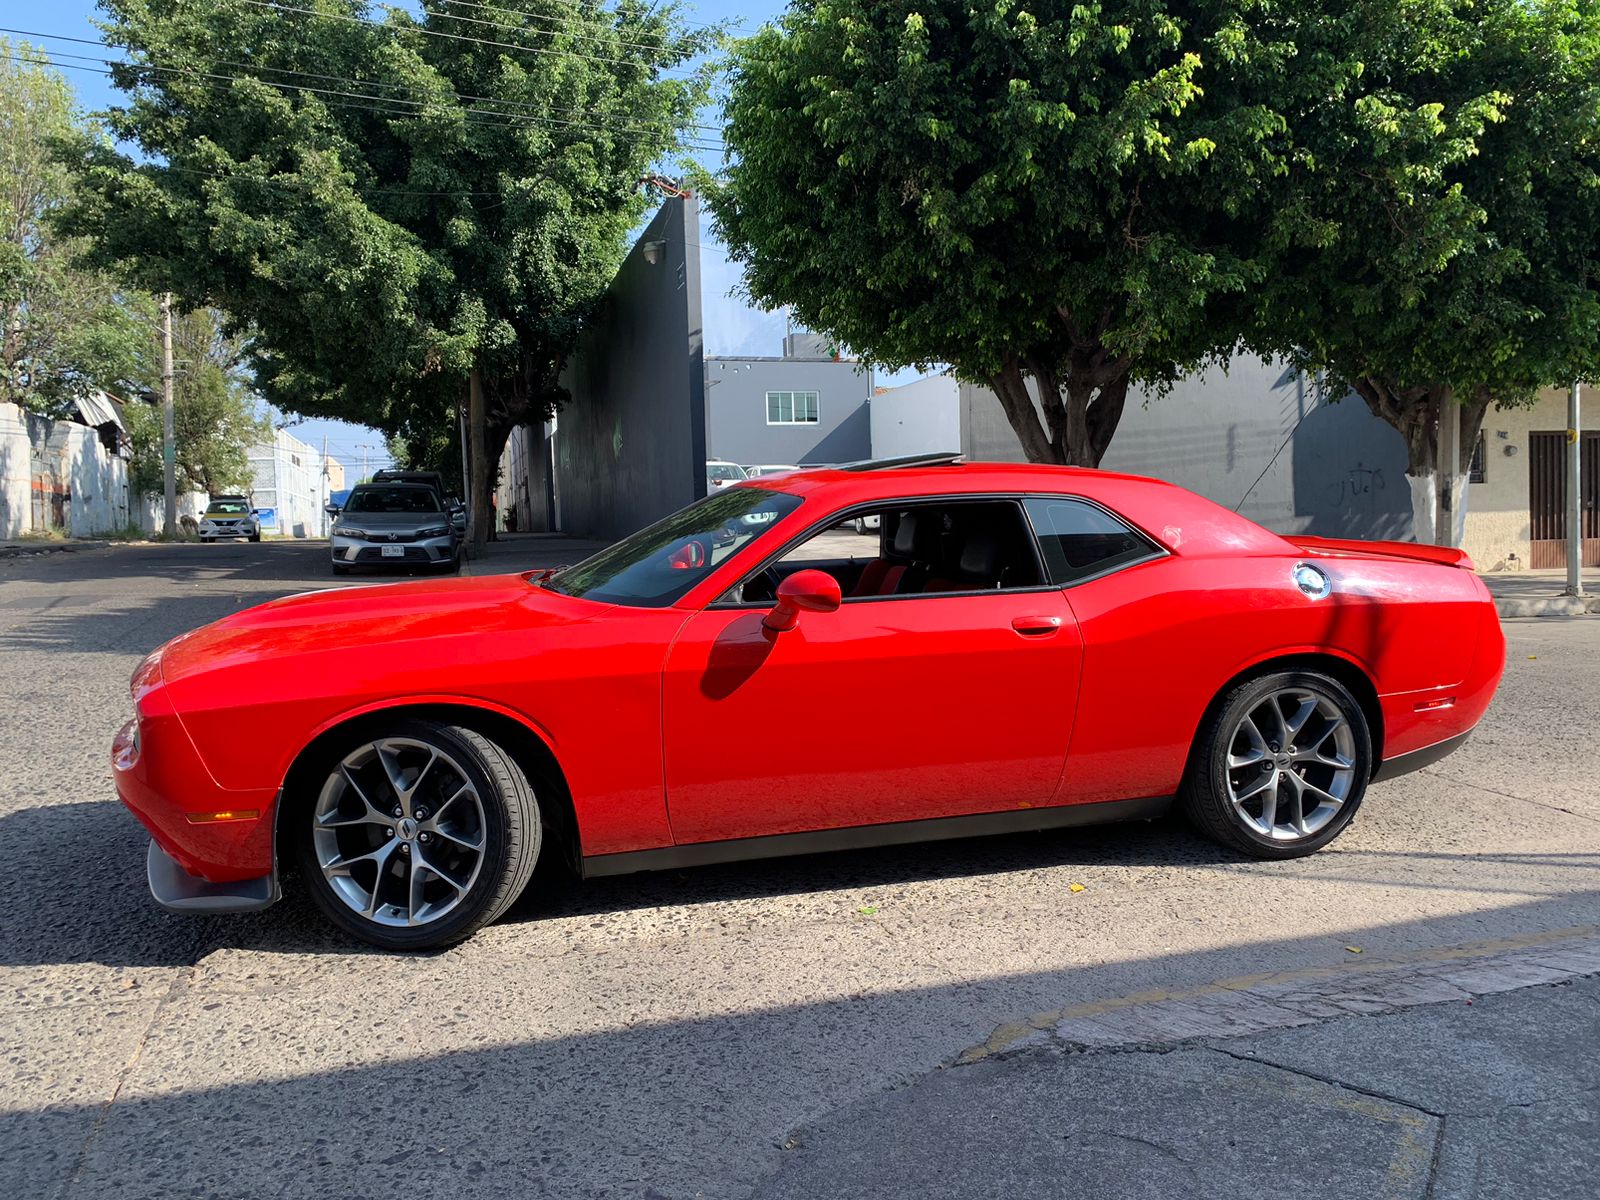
(108, 917)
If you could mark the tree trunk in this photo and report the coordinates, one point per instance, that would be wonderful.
(1081, 407)
(1438, 489)
(478, 468)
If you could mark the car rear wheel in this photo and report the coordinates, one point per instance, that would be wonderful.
(418, 835)
(1280, 765)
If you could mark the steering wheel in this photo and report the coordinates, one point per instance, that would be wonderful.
(692, 555)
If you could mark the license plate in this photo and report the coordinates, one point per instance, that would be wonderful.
(393, 551)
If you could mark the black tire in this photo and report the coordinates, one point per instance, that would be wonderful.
(208, 540)
(340, 569)
(1206, 795)
(512, 833)
(255, 537)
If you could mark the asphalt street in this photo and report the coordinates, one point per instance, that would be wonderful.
(897, 1022)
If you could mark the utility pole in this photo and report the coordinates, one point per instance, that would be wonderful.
(169, 449)
(327, 495)
(1574, 493)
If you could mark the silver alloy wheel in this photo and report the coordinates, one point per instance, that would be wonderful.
(398, 832)
(1291, 764)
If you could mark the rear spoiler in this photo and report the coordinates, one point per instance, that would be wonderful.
(1445, 556)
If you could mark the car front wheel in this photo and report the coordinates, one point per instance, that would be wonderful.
(418, 835)
(1280, 765)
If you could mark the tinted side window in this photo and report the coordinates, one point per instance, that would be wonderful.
(1080, 540)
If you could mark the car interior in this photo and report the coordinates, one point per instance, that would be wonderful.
(924, 549)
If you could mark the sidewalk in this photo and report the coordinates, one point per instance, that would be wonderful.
(1465, 1072)
(1540, 593)
(21, 546)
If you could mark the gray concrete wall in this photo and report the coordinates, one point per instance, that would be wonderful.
(630, 447)
(736, 405)
(1258, 436)
(922, 417)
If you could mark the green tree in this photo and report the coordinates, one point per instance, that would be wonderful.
(214, 409)
(63, 330)
(1440, 240)
(1068, 192)
(408, 213)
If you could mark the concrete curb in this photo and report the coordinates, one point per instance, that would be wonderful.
(1548, 606)
(1285, 999)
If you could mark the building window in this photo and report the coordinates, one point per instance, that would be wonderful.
(791, 408)
(1475, 469)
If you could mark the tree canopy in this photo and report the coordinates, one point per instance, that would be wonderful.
(1439, 238)
(63, 330)
(1076, 193)
(392, 204)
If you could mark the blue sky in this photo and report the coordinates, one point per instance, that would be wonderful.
(731, 326)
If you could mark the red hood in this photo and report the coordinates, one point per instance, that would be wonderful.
(341, 618)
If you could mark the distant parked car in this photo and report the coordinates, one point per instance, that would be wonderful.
(229, 517)
(433, 479)
(768, 470)
(721, 474)
(394, 524)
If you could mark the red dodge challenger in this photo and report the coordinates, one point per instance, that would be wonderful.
(1006, 648)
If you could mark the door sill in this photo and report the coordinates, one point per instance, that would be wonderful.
(856, 837)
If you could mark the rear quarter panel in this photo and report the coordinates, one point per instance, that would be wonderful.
(1163, 639)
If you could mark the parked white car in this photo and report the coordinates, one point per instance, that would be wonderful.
(229, 517)
(766, 469)
(721, 474)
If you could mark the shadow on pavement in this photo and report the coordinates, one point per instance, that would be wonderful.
(646, 1108)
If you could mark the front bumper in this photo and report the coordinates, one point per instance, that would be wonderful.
(227, 531)
(354, 552)
(176, 890)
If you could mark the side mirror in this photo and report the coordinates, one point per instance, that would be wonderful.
(804, 591)
(331, 509)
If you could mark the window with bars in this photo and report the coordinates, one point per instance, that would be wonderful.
(1475, 471)
(791, 408)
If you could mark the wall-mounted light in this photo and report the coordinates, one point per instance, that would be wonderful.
(652, 252)
(1511, 449)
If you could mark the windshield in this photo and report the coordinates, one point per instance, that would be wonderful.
(393, 500)
(658, 565)
(724, 473)
(227, 508)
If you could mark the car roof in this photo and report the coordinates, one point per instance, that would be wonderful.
(1177, 518)
(391, 483)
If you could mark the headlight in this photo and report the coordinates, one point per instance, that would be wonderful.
(349, 531)
(435, 531)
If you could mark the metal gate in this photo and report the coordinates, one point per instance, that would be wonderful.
(1547, 499)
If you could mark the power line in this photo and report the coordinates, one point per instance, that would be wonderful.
(567, 25)
(455, 37)
(508, 120)
(517, 107)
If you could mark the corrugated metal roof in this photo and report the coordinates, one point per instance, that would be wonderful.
(96, 409)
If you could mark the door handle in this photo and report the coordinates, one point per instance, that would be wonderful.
(1035, 626)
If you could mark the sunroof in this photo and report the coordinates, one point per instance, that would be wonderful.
(908, 460)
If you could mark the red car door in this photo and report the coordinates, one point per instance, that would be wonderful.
(888, 709)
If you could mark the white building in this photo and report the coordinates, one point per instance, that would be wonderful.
(291, 486)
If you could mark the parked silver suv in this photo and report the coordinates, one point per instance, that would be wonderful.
(229, 517)
(393, 524)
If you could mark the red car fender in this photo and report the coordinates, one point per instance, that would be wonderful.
(420, 700)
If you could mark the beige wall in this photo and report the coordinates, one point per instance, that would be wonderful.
(1497, 508)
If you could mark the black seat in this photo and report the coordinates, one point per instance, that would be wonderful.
(978, 567)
